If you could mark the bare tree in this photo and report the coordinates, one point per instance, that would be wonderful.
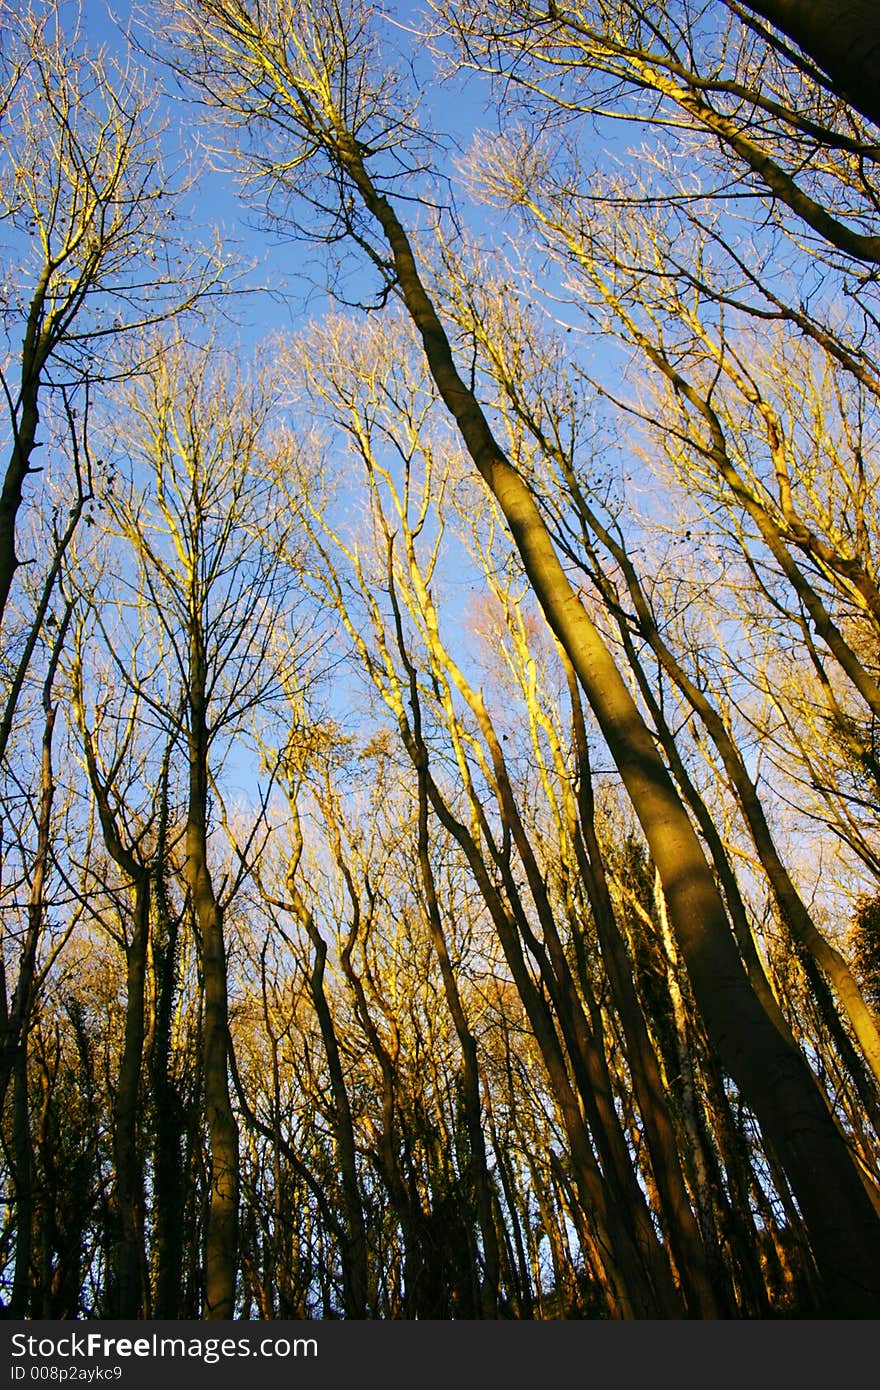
(311, 82)
(90, 252)
(195, 639)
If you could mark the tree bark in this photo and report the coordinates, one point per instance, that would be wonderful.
(841, 36)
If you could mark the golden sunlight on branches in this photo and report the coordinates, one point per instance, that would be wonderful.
(440, 686)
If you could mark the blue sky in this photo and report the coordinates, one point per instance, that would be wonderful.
(292, 270)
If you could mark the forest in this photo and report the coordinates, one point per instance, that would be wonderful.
(440, 664)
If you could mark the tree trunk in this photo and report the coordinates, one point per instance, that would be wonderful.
(761, 1057)
(169, 1205)
(131, 1288)
(221, 1238)
(355, 1275)
(841, 36)
(23, 1177)
(693, 1256)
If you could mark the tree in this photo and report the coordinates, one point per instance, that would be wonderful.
(91, 255)
(385, 413)
(439, 772)
(545, 399)
(195, 641)
(334, 114)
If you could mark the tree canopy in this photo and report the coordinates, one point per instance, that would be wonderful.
(440, 687)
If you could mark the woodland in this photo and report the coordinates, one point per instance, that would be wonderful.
(440, 660)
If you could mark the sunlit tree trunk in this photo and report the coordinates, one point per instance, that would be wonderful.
(694, 1251)
(128, 1286)
(764, 1060)
(191, 515)
(470, 1080)
(131, 1287)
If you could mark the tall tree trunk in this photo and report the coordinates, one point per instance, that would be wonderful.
(841, 36)
(131, 1286)
(760, 1056)
(355, 1276)
(221, 1237)
(128, 1286)
(169, 1205)
(694, 1258)
(15, 1041)
(23, 1177)
(480, 1180)
(582, 1046)
(17, 1018)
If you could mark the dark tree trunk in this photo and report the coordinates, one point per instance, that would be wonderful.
(841, 36)
(221, 1237)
